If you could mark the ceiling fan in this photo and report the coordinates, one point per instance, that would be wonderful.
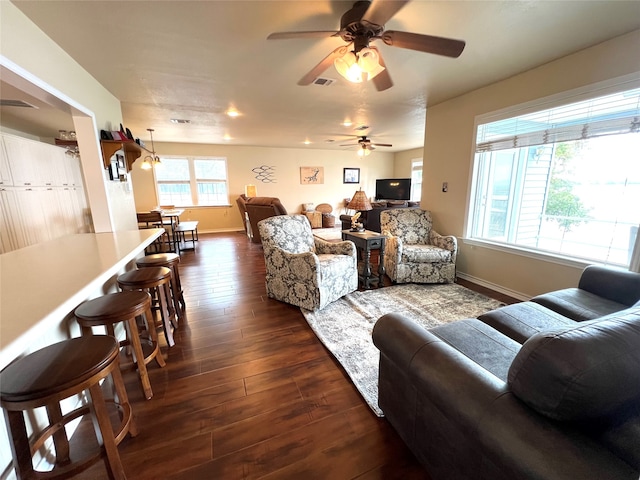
(360, 25)
(366, 146)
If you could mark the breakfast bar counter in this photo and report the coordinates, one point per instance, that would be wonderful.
(41, 284)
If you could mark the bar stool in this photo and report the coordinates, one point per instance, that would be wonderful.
(156, 281)
(125, 307)
(169, 260)
(49, 375)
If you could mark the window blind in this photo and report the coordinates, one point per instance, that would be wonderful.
(613, 114)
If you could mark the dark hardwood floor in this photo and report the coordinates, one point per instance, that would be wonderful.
(249, 392)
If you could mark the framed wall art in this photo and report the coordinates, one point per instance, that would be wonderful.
(351, 175)
(312, 175)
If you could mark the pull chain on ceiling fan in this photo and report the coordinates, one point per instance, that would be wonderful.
(360, 25)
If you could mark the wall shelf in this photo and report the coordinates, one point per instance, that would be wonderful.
(132, 151)
(66, 143)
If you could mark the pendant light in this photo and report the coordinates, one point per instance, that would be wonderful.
(152, 160)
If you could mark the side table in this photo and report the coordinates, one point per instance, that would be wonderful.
(365, 242)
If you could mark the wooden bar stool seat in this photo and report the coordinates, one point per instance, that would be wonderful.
(49, 375)
(157, 282)
(171, 261)
(126, 307)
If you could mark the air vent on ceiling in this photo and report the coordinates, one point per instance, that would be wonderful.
(15, 103)
(180, 120)
(323, 82)
(362, 127)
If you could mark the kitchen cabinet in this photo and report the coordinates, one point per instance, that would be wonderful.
(42, 193)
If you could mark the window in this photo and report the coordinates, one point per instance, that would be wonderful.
(192, 181)
(416, 180)
(564, 180)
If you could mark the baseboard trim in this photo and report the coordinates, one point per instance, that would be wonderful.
(498, 288)
(221, 230)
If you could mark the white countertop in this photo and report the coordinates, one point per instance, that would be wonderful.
(43, 283)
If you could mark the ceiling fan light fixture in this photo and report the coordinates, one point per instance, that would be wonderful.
(359, 67)
(364, 151)
(348, 67)
(368, 59)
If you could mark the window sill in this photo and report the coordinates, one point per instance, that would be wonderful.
(535, 254)
(226, 205)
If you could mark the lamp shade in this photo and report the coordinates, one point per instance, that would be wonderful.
(364, 151)
(147, 163)
(250, 191)
(360, 202)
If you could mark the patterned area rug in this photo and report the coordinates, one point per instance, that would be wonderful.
(345, 325)
(328, 234)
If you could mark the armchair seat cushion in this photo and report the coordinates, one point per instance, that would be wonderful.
(334, 266)
(425, 254)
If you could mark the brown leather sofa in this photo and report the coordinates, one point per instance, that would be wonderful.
(259, 208)
(533, 395)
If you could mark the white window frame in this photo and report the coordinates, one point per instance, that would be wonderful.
(620, 84)
(416, 166)
(193, 181)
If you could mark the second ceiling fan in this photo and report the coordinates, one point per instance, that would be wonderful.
(366, 145)
(360, 25)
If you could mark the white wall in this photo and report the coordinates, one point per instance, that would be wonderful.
(32, 61)
(448, 157)
(286, 163)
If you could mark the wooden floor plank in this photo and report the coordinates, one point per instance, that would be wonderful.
(248, 391)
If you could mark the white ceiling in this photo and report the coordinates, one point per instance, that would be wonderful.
(194, 59)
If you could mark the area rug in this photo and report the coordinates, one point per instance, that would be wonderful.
(328, 234)
(345, 326)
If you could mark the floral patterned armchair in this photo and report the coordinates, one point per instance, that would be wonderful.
(304, 270)
(415, 253)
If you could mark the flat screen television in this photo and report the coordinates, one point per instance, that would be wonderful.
(393, 189)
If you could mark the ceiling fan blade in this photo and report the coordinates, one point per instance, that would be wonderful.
(448, 47)
(382, 144)
(380, 11)
(313, 34)
(382, 81)
(349, 145)
(325, 63)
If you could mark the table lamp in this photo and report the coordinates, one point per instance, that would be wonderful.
(361, 203)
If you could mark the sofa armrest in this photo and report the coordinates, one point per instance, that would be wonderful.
(400, 339)
(621, 286)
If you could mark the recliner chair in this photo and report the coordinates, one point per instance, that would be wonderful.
(259, 208)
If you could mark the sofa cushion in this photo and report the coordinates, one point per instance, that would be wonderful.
(485, 346)
(522, 320)
(583, 372)
(578, 304)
